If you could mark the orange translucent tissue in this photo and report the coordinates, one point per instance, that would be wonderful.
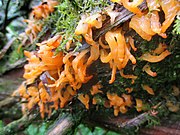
(53, 78)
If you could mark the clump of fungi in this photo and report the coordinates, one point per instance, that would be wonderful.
(53, 79)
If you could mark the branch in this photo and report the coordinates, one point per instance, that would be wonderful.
(19, 125)
(21, 10)
(62, 126)
(167, 128)
(67, 122)
(118, 124)
(15, 16)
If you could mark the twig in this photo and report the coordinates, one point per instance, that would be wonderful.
(2, 2)
(17, 64)
(135, 122)
(6, 14)
(8, 101)
(4, 95)
(6, 47)
(124, 15)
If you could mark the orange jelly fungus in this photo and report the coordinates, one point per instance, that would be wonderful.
(139, 105)
(148, 89)
(53, 79)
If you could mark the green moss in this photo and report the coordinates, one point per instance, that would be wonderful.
(17, 52)
(67, 15)
(176, 29)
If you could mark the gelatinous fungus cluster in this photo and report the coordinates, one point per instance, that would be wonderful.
(53, 79)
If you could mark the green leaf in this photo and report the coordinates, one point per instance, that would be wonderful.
(32, 130)
(1, 125)
(84, 130)
(42, 129)
(37, 129)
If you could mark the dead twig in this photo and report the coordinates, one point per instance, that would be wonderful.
(17, 64)
(6, 47)
(8, 101)
(4, 95)
(124, 15)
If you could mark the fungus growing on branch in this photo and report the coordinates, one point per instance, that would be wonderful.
(54, 78)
